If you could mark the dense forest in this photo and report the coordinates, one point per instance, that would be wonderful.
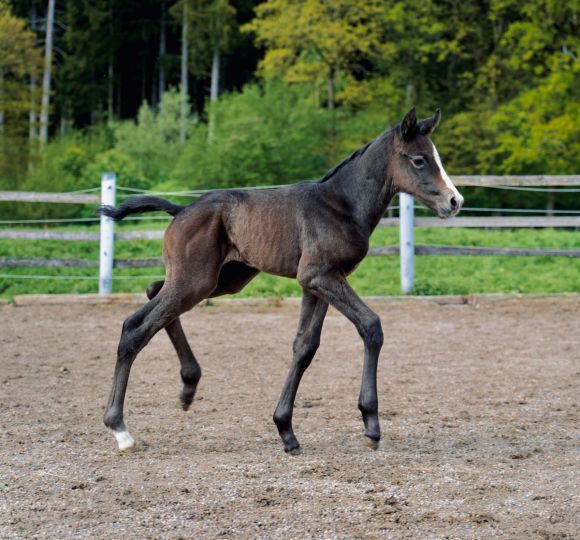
(176, 95)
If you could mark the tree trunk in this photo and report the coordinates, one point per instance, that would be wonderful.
(110, 69)
(110, 89)
(184, 76)
(550, 204)
(1, 100)
(162, 51)
(331, 89)
(143, 66)
(46, 76)
(215, 75)
(32, 117)
(331, 103)
(214, 91)
(409, 97)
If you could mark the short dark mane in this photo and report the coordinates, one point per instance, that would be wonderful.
(355, 154)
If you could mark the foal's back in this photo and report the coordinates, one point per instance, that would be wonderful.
(261, 228)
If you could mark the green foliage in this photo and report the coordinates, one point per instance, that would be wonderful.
(20, 59)
(537, 131)
(323, 39)
(263, 136)
(62, 166)
(129, 174)
(153, 141)
(67, 163)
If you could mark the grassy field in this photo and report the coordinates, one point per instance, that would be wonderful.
(434, 275)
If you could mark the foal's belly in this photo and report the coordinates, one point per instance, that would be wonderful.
(268, 242)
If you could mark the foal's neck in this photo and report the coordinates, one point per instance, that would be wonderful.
(365, 183)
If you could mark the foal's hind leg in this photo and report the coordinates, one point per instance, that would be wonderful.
(190, 369)
(305, 346)
(138, 330)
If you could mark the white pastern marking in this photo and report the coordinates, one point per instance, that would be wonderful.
(444, 175)
(124, 440)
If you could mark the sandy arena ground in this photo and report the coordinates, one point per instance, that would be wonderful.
(479, 406)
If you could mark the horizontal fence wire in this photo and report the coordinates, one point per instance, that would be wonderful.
(541, 211)
(532, 188)
(428, 250)
(200, 192)
(79, 220)
(57, 277)
(516, 210)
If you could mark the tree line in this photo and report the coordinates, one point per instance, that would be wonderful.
(212, 93)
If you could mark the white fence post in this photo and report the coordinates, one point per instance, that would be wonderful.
(407, 242)
(107, 246)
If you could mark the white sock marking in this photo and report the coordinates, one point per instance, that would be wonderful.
(124, 440)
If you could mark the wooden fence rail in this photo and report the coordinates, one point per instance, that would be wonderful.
(31, 262)
(459, 180)
(471, 222)
(48, 197)
(492, 222)
(523, 180)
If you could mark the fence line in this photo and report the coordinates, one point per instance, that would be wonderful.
(48, 197)
(531, 183)
(428, 250)
(478, 251)
(68, 278)
(510, 182)
(463, 222)
(512, 222)
(503, 182)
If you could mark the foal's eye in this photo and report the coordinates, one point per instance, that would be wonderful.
(418, 162)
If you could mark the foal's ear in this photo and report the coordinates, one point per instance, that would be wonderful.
(427, 126)
(409, 125)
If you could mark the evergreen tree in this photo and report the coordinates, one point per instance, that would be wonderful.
(19, 60)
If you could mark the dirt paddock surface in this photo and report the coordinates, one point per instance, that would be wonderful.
(478, 406)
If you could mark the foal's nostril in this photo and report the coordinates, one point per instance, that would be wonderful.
(453, 203)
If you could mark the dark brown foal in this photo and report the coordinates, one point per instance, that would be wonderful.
(315, 232)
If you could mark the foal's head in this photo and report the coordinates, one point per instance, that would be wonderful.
(417, 168)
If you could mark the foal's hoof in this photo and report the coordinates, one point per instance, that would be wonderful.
(125, 442)
(373, 444)
(184, 404)
(294, 451)
(186, 399)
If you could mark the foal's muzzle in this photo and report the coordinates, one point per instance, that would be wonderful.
(450, 205)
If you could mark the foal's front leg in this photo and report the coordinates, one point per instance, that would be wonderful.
(306, 343)
(334, 289)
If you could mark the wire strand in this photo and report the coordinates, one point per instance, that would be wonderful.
(199, 192)
(518, 210)
(80, 220)
(44, 276)
(529, 188)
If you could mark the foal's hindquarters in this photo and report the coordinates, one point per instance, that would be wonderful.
(193, 254)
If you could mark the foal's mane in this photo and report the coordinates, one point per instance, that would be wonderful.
(354, 155)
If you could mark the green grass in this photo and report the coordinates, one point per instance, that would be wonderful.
(375, 276)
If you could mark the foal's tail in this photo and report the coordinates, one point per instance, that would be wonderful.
(136, 205)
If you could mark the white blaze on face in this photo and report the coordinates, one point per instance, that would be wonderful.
(444, 175)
